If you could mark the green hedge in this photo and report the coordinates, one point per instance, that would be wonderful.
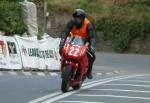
(122, 32)
(11, 20)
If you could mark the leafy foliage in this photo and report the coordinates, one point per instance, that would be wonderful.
(122, 32)
(11, 20)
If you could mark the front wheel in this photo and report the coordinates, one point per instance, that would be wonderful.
(76, 87)
(65, 79)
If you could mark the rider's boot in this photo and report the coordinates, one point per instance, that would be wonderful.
(89, 72)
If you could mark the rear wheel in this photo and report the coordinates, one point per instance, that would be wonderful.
(65, 79)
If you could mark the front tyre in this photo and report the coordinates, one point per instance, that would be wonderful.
(76, 87)
(65, 78)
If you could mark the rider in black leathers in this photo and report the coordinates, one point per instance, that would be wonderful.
(79, 13)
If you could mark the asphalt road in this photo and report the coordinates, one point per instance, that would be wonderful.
(124, 79)
(123, 63)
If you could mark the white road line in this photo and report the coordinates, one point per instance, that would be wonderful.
(27, 73)
(98, 73)
(134, 81)
(58, 93)
(83, 88)
(128, 85)
(109, 73)
(12, 73)
(95, 81)
(114, 96)
(40, 74)
(77, 102)
(53, 74)
(120, 90)
(142, 78)
(45, 97)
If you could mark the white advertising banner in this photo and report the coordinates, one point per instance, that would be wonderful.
(29, 51)
(14, 59)
(3, 53)
(48, 53)
(9, 53)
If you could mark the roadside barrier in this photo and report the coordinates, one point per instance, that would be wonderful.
(27, 52)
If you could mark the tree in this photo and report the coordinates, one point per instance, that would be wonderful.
(11, 20)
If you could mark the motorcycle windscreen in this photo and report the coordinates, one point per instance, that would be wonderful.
(77, 40)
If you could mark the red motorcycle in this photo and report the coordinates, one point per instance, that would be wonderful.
(74, 63)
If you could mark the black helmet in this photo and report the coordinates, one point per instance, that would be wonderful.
(79, 13)
(78, 17)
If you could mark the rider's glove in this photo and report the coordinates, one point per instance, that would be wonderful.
(92, 49)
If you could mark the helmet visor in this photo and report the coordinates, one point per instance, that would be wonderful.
(78, 20)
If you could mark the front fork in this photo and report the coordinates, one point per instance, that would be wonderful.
(74, 67)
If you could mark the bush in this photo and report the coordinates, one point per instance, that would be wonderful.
(11, 20)
(90, 5)
(122, 32)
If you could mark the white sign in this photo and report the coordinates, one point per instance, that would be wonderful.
(3, 53)
(14, 60)
(9, 53)
(48, 53)
(29, 51)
